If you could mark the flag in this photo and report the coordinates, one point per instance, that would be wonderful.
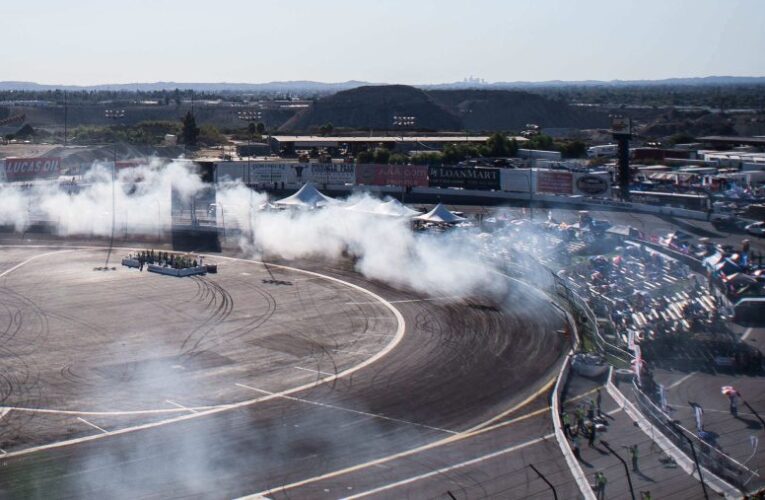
(699, 414)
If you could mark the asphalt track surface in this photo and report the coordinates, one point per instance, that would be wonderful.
(236, 384)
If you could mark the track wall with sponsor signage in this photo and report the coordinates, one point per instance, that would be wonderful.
(554, 181)
(596, 184)
(290, 174)
(466, 178)
(516, 180)
(392, 175)
(27, 169)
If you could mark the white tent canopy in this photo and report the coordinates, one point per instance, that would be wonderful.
(395, 208)
(307, 197)
(440, 214)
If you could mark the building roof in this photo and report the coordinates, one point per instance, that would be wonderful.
(334, 140)
(726, 139)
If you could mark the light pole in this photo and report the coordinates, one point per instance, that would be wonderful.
(159, 222)
(403, 121)
(218, 204)
(113, 114)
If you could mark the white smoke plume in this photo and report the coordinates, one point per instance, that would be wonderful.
(385, 248)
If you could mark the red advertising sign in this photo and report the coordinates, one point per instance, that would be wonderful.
(550, 181)
(25, 169)
(122, 164)
(392, 175)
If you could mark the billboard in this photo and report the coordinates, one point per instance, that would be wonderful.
(392, 175)
(554, 181)
(621, 126)
(27, 169)
(123, 164)
(592, 185)
(332, 173)
(516, 180)
(467, 178)
(267, 173)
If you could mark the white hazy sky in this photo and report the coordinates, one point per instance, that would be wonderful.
(394, 41)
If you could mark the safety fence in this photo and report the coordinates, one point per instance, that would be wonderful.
(707, 456)
(710, 459)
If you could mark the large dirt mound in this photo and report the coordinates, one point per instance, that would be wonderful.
(512, 110)
(374, 108)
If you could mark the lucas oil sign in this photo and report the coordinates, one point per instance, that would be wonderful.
(26, 169)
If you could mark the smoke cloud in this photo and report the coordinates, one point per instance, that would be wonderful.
(384, 247)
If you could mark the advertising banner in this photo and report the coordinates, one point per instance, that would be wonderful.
(392, 175)
(554, 181)
(268, 173)
(467, 178)
(123, 164)
(516, 180)
(592, 185)
(332, 173)
(26, 169)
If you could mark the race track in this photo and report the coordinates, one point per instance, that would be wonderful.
(269, 380)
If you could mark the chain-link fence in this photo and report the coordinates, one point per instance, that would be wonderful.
(709, 457)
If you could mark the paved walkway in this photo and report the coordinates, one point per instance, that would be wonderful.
(621, 432)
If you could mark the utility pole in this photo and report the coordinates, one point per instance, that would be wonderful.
(113, 114)
(403, 121)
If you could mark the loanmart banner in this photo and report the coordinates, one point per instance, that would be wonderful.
(555, 181)
(26, 169)
(467, 178)
(392, 175)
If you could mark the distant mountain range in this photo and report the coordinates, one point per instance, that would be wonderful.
(321, 87)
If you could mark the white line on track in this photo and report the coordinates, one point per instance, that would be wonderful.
(361, 353)
(746, 334)
(378, 462)
(678, 382)
(92, 425)
(9, 271)
(496, 422)
(4, 412)
(160, 411)
(444, 470)
(314, 371)
(432, 299)
(397, 337)
(180, 406)
(349, 410)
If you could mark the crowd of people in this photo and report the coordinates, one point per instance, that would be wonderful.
(164, 259)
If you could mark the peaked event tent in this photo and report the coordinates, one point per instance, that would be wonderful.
(395, 208)
(307, 197)
(440, 214)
